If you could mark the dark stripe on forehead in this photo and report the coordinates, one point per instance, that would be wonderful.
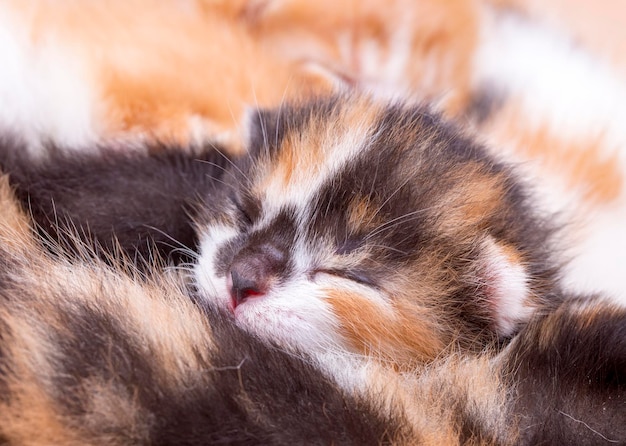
(398, 176)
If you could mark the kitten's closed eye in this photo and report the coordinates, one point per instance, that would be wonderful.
(355, 275)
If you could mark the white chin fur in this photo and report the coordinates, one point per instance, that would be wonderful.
(293, 315)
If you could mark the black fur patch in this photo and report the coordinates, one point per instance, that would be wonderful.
(260, 395)
(570, 371)
(109, 197)
(247, 393)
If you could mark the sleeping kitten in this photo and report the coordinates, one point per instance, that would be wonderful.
(374, 228)
(377, 228)
(91, 355)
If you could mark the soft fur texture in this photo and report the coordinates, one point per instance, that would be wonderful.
(347, 269)
(105, 358)
(120, 202)
(78, 74)
(377, 229)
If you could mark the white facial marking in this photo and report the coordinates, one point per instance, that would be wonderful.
(294, 314)
(212, 286)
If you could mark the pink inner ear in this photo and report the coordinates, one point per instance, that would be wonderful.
(506, 286)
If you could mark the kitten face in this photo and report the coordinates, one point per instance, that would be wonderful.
(373, 228)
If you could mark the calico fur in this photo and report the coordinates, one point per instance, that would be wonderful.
(376, 228)
(91, 355)
(104, 358)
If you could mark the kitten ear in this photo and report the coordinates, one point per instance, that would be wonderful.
(262, 132)
(505, 283)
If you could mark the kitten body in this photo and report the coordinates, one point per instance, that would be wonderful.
(81, 72)
(120, 202)
(92, 355)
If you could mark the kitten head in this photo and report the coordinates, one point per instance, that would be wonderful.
(375, 228)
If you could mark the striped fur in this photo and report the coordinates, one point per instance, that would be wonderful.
(91, 355)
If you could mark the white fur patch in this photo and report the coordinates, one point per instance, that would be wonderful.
(212, 286)
(567, 90)
(506, 284)
(560, 84)
(598, 258)
(293, 314)
(45, 89)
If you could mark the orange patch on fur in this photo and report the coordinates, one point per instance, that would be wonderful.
(184, 72)
(472, 204)
(179, 72)
(512, 254)
(205, 76)
(584, 164)
(383, 332)
(325, 140)
(361, 41)
(361, 215)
